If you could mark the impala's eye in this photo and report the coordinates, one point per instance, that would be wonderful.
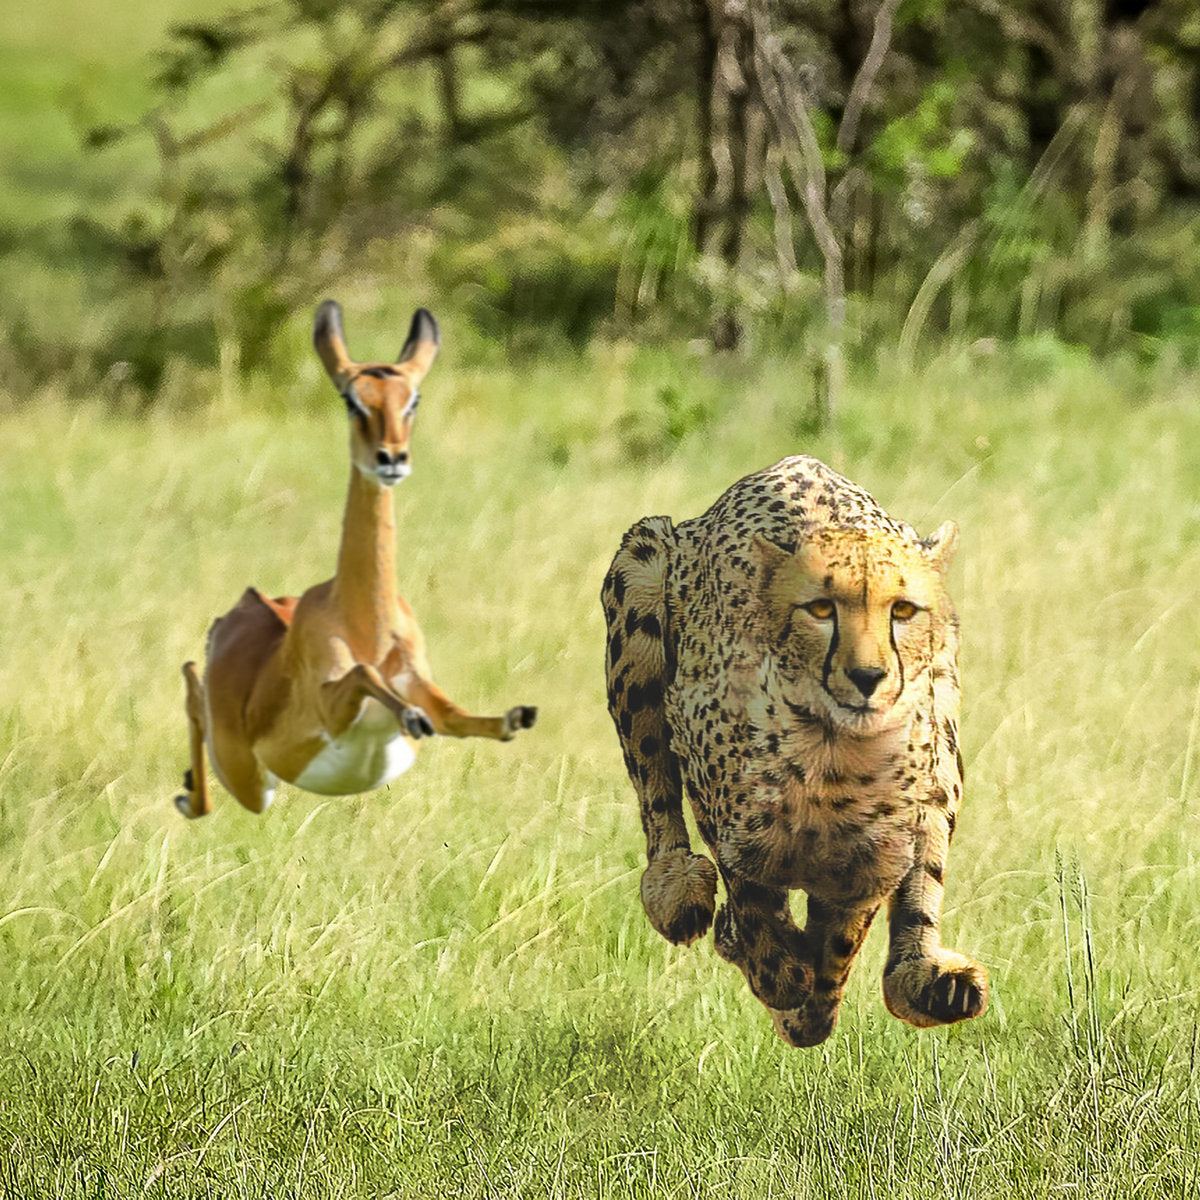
(822, 609)
(904, 610)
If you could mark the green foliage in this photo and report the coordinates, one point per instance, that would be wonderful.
(924, 140)
(534, 288)
(179, 186)
(659, 269)
(652, 431)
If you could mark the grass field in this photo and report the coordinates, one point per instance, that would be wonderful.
(448, 987)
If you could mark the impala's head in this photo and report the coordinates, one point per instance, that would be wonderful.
(857, 617)
(380, 397)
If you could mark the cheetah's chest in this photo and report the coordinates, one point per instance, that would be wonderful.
(793, 803)
(837, 826)
(840, 848)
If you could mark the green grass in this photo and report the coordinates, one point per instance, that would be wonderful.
(449, 986)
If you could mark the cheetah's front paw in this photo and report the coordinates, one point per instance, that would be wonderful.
(936, 991)
(679, 893)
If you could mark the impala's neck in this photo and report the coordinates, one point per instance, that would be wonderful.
(364, 588)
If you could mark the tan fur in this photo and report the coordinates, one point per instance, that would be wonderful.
(790, 658)
(332, 690)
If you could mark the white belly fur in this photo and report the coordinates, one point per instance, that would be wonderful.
(369, 754)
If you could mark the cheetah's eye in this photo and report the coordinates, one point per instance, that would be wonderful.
(821, 609)
(904, 610)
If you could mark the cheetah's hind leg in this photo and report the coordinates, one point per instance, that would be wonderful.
(678, 887)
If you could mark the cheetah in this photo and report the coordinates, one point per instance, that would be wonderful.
(790, 657)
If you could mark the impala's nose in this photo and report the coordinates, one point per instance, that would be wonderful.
(384, 459)
(866, 679)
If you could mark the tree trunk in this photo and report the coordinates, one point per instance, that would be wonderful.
(706, 71)
(735, 68)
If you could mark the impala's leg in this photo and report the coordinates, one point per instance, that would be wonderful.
(341, 701)
(923, 983)
(194, 800)
(233, 761)
(243, 775)
(678, 887)
(451, 721)
(246, 780)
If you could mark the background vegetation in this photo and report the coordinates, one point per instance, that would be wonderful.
(792, 173)
(449, 986)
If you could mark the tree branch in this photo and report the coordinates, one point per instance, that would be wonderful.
(796, 137)
(785, 250)
(864, 78)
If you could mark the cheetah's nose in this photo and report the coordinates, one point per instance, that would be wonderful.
(866, 679)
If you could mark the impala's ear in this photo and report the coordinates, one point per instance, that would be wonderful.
(940, 545)
(422, 346)
(331, 344)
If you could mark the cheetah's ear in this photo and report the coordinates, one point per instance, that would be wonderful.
(781, 571)
(771, 554)
(940, 545)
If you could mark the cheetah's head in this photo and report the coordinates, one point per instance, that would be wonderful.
(855, 616)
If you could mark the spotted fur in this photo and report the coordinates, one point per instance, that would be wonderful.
(790, 658)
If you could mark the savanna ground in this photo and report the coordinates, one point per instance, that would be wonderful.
(449, 985)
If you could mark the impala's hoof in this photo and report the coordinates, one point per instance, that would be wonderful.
(521, 717)
(416, 723)
(184, 804)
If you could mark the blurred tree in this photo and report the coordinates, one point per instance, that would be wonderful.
(970, 166)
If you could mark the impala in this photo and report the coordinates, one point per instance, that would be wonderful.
(332, 691)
